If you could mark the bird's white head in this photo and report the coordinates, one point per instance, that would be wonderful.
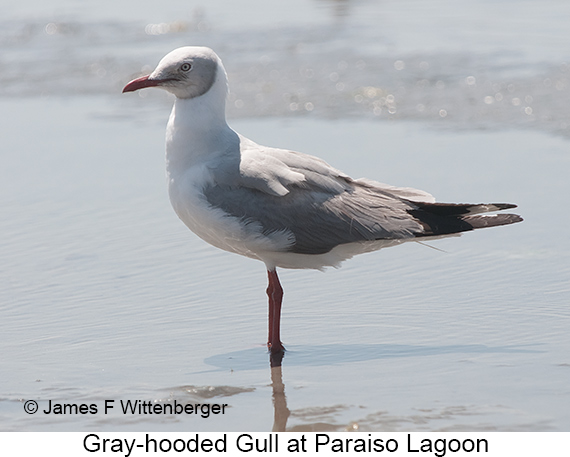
(186, 72)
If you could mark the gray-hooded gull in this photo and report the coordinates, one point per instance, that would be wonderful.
(287, 209)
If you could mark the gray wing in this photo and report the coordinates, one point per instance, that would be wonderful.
(320, 219)
(291, 192)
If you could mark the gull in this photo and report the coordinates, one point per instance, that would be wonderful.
(285, 208)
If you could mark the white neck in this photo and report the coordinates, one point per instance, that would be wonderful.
(197, 129)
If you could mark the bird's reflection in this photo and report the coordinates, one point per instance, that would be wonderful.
(281, 412)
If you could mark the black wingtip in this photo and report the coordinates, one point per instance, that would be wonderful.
(448, 218)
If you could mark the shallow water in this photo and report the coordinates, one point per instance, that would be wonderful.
(106, 295)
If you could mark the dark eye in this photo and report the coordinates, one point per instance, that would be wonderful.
(185, 67)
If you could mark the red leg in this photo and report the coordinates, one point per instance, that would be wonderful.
(275, 294)
(270, 290)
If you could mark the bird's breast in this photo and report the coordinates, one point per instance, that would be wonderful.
(213, 224)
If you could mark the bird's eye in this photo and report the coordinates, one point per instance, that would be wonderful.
(185, 67)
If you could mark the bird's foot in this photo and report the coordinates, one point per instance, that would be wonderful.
(276, 353)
